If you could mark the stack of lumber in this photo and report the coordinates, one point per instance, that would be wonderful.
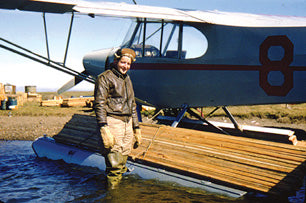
(34, 97)
(2, 97)
(257, 132)
(244, 163)
(56, 101)
(263, 166)
(9, 89)
(80, 131)
(21, 98)
(51, 102)
(1, 88)
(265, 133)
(80, 101)
(2, 94)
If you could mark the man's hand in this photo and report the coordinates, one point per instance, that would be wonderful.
(107, 137)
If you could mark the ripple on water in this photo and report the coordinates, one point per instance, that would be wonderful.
(26, 178)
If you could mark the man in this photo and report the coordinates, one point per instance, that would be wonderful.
(116, 115)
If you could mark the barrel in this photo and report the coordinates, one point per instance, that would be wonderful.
(12, 103)
(3, 104)
(30, 89)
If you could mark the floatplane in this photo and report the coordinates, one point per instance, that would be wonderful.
(185, 59)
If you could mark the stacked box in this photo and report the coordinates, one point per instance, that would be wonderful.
(9, 89)
(2, 94)
(1, 88)
(34, 97)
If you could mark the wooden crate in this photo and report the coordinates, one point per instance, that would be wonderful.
(1, 89)
(34, 97)
(9, 89)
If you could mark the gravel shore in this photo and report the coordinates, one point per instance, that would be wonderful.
(32, 127)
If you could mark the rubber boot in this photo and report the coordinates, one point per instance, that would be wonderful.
(124, 160)
(114, 167)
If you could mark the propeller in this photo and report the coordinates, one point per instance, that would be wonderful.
(73, 82)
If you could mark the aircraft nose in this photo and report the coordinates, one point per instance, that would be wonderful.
(95, 62)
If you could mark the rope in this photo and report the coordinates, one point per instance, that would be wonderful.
(152, 140)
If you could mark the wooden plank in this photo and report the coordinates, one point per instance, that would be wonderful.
(263, 144)
(203, 159)
(80, 101)
(88, 129)
(72, 140)
(216, 174)
(225, 157)
(235, 148)
(164, 154)
(243, 144)
(264, 166)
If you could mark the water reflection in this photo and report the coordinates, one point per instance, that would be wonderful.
(26, 178)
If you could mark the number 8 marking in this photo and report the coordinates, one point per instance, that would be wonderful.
(281, 65)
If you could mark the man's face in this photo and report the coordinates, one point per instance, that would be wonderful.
(124, 64)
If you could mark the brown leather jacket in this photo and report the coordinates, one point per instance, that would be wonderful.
(114, 96)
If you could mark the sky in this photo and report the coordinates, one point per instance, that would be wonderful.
(88, 34)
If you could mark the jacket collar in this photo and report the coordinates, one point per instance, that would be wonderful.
(118, 74)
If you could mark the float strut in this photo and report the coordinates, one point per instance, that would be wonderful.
(237, 126)
(180, 116)
(193, 113)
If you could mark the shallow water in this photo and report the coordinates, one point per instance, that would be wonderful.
(26, 178)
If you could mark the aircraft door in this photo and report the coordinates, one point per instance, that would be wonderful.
(154, 39)
(168, 40)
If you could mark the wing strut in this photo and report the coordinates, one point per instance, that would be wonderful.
(68, 40)
(46, 35)
(43, 60)
(78, 77)
(144, 36)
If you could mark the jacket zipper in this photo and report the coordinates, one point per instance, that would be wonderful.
(127, 97)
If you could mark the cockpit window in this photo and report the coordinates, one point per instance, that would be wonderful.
(194, 42)
(168, 40)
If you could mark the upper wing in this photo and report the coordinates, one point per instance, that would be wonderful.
(168, 14)
(40, 5)
(135, 11)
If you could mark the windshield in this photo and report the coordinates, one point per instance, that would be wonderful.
(169, 40)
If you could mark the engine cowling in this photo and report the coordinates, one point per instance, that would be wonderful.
(97, 61)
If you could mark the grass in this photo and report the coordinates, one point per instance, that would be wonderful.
(34, 108)
(281, 112)
(50, 95)
(292, 113)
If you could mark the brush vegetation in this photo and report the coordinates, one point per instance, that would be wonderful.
(283, 113)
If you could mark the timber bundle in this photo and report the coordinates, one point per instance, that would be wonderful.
(239, 162)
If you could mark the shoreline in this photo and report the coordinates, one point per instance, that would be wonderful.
(33, 127)
(30, 127)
